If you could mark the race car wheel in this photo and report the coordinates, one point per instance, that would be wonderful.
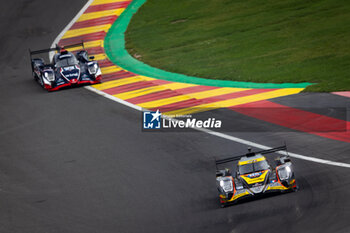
(223, 204)
(41, 82)
(296, 188)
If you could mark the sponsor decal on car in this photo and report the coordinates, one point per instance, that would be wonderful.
(253, 175)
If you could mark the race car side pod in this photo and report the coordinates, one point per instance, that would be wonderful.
(250, 154)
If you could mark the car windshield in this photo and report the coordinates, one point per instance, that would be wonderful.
(253, 167)
(66, 60)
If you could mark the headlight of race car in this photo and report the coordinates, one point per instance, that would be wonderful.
(226, 185)
(93, 68)
(285, 172)
(49, 75)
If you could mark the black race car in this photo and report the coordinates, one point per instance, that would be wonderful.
(254, 176)
(66, 68)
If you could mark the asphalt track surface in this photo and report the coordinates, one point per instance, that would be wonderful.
(73, 161)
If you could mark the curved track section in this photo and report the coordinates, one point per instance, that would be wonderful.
(73, 161)
(102, 24)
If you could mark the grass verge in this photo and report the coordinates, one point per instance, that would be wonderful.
(271, 41)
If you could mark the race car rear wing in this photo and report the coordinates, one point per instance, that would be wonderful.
(57, 48)
(250, 154)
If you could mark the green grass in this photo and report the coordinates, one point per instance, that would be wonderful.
(247, 40)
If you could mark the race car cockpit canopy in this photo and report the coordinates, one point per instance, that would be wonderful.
(252, 164)
(65, 59)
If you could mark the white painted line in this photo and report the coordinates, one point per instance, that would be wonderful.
(256, 145)
(217, 134)
(111, 97)
(226, 136)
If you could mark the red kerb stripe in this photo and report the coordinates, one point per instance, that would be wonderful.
(91, 51)
(117, 75)
(87, 37)
(94, 22)
(178, 105)
(217, 98)
(188, 90)
(105, 63)
(107, 6)
(128, 87)
(169, 93)
(154, 96)
(296, 119)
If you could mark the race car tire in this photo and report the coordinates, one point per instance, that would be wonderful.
(41, 82)
(223, 205)
(296, 189)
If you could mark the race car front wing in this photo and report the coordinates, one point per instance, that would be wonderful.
(242, 193)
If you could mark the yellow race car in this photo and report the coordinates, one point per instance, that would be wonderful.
(254, 176)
